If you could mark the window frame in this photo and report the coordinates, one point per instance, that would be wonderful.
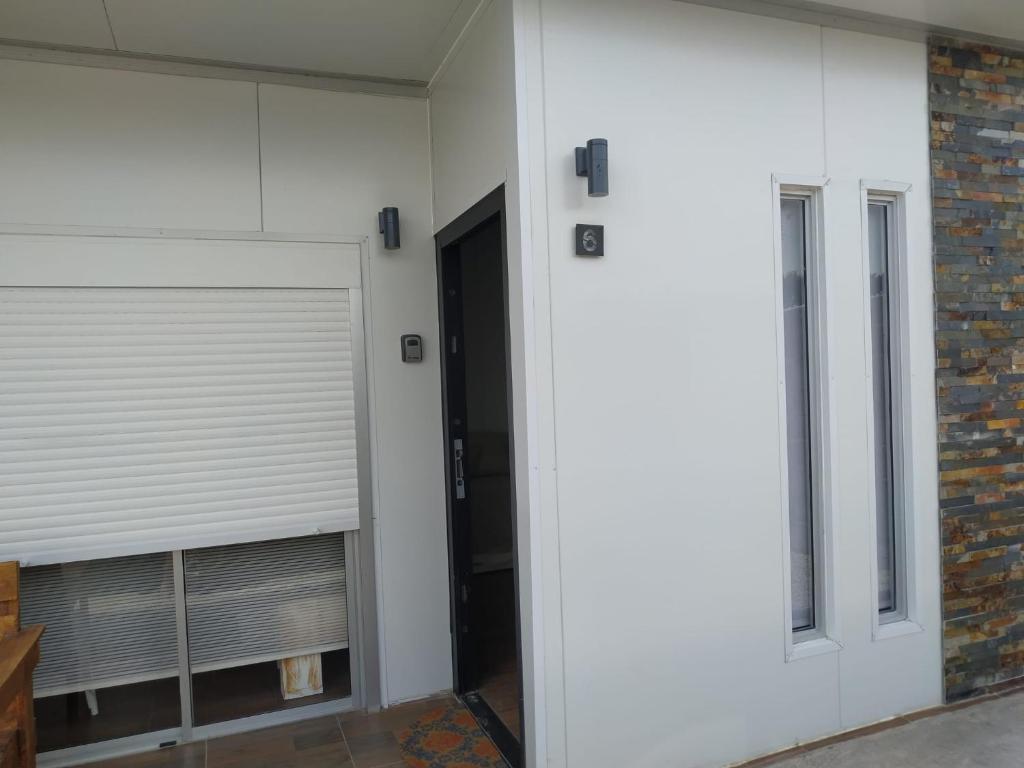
(364, 629)
(188, 731)
(822, 637)
(902, 620)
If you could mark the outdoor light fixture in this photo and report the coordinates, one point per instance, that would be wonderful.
(387, 220)
(592, 162)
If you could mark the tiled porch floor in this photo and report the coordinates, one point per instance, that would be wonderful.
(352, 740)
(986, 733)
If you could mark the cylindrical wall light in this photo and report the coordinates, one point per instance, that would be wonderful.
(592, 162)
(388, 224)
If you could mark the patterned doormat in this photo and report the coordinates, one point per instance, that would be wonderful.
(448, 737)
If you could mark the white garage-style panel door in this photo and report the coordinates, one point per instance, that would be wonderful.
(159, 393)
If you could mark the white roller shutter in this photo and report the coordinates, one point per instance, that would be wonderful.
(108, 622)
(137, 419)
(251, 603)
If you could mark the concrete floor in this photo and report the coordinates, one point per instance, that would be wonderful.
(989, 734)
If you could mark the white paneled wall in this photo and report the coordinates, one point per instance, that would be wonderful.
(330, 162)
(478, 126)
(872, 76)
(666, 390)
(472, 115)
(99, 147)
(102, 147)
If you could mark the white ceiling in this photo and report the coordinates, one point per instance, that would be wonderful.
(396, 39)
(392, 39)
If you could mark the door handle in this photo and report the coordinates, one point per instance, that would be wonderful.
(460, 473)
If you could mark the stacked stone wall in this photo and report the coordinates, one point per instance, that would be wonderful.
(977, 150)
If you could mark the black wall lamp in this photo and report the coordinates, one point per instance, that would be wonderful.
(387, 221)
(592, 162)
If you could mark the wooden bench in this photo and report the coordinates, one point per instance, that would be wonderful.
(9, 613)
(19, 654)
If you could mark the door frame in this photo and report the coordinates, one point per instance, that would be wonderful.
(490, 206)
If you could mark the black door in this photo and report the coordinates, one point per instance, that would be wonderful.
(473, 299)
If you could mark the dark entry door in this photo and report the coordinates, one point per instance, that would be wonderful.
(473, 302)
(460, 522)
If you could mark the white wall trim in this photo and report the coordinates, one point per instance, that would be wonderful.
(75, 230)
(374, 451)
(215, 70)
(546, 737)
(903, 447)
(824, 638)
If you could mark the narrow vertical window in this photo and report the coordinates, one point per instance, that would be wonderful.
(888, 514)
(799, 332)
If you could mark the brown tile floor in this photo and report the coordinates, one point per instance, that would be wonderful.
(501, 692)
(351, 740)
(935, 738)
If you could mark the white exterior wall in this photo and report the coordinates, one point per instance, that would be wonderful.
(481, 128)
(666, 401)
(656, 364)
(472, 114)
(123, 149)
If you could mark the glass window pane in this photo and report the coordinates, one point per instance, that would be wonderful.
(798, 409)
(109, 657)
(267, 626)
(878, 252)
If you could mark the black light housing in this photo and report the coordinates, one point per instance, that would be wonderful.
(387, 221)
(592, 162)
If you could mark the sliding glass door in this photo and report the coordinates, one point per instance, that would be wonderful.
(267, 626)
(109, 666)
(155, 648)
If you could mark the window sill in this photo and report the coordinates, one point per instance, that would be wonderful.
(808, 648)
(894, 629)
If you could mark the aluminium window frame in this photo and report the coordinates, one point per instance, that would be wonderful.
(822, 638)
(362, 546)
(903, 620)
(188, 731)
